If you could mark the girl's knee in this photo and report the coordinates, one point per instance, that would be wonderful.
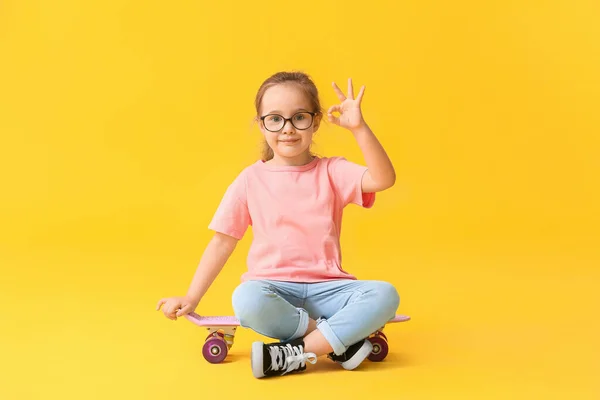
(387, 296)
(247, 301)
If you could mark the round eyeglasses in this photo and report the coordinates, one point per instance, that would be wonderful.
(275, 122)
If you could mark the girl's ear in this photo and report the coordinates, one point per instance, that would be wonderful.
(259, 124)
(317, 122)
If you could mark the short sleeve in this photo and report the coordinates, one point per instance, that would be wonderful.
(232, 217)
(346, 178)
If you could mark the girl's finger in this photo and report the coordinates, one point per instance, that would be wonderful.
(360, 94)
(350, 89)
(160, 303)
(334, 108)
(170, 314)
(168, 309)
(339, 93)
(334, 119)
(331, 117)
(184, 310)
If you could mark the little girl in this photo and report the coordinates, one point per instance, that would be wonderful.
(295, 289)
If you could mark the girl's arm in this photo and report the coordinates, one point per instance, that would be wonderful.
(380, 174)
(214, 258)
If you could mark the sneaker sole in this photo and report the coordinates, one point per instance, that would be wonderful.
(256, 357)
(359, 357)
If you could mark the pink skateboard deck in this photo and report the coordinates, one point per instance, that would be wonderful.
(212, 321)
(222, 321)
(222, 332)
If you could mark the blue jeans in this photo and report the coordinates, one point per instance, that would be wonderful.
(346, 311)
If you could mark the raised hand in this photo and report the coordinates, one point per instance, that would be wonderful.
(350, 115)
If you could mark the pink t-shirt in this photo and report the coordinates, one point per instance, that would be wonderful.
(296, 217)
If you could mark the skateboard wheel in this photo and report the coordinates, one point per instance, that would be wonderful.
(379, 333)
(380, 348)
(214, 350)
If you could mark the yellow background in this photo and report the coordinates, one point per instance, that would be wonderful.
(123, 122)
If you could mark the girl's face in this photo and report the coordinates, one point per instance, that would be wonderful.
(290, 143)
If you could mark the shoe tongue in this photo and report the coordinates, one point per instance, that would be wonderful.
(281, 357)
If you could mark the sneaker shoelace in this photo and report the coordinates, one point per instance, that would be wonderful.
(289, 358)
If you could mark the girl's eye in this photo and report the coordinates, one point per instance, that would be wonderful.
(274, 118)
(299, 117)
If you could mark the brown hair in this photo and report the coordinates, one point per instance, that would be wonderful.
(299, 78)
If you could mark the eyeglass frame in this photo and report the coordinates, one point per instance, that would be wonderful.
(285, 120)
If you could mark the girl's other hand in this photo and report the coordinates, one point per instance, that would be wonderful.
(174, 307)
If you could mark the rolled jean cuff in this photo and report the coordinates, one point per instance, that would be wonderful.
(302, 326)
(336, 344)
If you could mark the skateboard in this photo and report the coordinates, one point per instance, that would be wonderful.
(222, 332)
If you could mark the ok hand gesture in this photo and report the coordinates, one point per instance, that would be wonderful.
(349, 109)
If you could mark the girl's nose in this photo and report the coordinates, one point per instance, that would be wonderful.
(288, 127)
